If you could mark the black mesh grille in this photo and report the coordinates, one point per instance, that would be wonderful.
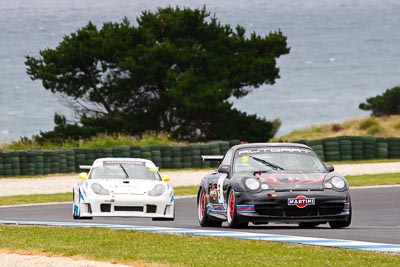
(293, 211)
(128, 208)
(271, 210)
(331, 208)
(297, 212)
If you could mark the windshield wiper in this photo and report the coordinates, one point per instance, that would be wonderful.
(272, 165)
(126, 173)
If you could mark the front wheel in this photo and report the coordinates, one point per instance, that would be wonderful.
(342, 224)
(232, 217)
(204, 219)
(162, 219)
(306, 225)
(76, 209)
(165, 219)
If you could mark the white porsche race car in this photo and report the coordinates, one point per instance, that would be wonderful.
(126, 187)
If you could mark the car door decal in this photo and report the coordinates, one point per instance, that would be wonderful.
(220, 188)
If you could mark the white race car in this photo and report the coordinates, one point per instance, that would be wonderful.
(126, 187)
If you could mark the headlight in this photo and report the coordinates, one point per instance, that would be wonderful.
(264, 186)
(338, 182)
(158, 190)
(98, 189)
(252, 183)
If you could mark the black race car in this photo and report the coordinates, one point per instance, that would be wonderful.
(273, 182)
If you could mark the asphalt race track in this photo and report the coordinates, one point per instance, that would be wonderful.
(376, 218)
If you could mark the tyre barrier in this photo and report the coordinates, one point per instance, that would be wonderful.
(347, 148)
(205, 150)
(382, 148)
(70, 157)
(331, 149)
(121, 152)
(41, 162)
(393, 148)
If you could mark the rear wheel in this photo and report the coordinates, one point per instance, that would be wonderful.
(232, 217)
(204, 219)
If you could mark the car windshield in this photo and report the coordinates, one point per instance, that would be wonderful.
(277, 159)
(125, 170)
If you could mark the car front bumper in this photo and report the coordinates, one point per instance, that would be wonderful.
(127, 205)
(272, 206)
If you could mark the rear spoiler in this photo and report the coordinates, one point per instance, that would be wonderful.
(85, 167)
(212, 157)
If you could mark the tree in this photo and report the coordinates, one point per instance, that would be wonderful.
(386, 104)
(174, 71)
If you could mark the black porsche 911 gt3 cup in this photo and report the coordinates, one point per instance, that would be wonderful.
(273, 182)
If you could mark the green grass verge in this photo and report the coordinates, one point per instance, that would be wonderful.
(361, 161)
(386, 126)
(37, 198)
(374, 179)
(190, 190)
(133, 247)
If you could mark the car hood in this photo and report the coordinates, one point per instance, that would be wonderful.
(127, 186)
(293, 180)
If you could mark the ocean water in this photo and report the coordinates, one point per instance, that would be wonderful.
(342, 52)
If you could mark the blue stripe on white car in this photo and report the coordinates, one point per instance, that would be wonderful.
(76, 210)
(339, 243)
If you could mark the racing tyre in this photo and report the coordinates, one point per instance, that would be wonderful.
(306, 225)
(231, 213)
(75, 215)
(164, 219)
(204, 219)
(342, 224)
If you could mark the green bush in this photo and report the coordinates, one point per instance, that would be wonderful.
(374, 130)
(386, 104)
(368, 124)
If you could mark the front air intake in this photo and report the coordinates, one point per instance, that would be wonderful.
(105, 207)
(129, 208)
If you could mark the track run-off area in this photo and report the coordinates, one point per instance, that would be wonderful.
(375, 225)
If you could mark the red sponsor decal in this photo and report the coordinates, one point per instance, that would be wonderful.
(301, 201)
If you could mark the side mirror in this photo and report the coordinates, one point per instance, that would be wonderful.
(224, 168)
(83, 175)
(330, 167)
(166, 178)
